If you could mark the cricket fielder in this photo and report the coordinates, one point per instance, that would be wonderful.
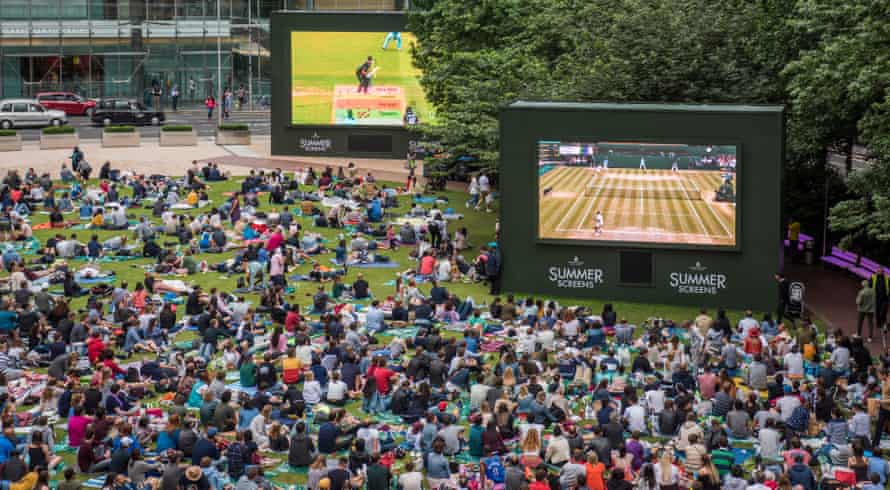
(393, 36)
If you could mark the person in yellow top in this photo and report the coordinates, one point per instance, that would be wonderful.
(192, 199)
(793, 238)
(26, 483)
(98, 219)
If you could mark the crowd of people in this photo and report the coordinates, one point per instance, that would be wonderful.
(166, 385)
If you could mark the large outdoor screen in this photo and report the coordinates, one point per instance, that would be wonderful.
(356, 78)
(637, 192)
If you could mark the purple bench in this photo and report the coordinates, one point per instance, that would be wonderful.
(847, 261)
(803, 238)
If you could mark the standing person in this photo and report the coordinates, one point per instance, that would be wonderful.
(174, 97)
(228, 100)
(363, 73)
(192, 88)
(865, 306)
(474, 192)
(880, 282)
(210, 104)
(884, 408)
(793, 238)
(156, 93)
(242, 97)
(484, 190)
(784, 298)
(393, 36)
(598, 223)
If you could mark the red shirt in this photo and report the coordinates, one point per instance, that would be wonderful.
(274, 241)
(112, 364)
(95, 347)
(427, 264)
(539, 485)
(382, 376)
(291, 320)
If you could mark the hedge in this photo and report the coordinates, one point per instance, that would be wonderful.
(59, 130)
(8, 132)
(233, 127)
(182, 128)
(120, 129)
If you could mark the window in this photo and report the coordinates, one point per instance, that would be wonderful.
(72, 98)
(137, 106)
(20, 107)
(35, 108)
(6, 108)
(122, 105)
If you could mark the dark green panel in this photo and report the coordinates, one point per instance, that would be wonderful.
(740, 278)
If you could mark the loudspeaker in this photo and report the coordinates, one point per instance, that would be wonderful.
(635, 268)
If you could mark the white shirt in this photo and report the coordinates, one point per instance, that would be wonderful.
(337, 390)
(545, 338)
(794, 364)
(636, 418)
(312, 392)
(484, 186)
(746, 324)
(655, 401)
(786, 406)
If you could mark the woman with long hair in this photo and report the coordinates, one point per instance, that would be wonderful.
(531, 449)
(647, 480)
(708, 475)
(666, 472)
(594, 471)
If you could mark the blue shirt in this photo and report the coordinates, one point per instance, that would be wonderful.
(327, 438)
(6, 448)
(94, 248)
(8, 320)
(879, 466)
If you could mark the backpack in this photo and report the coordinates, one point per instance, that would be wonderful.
(370, 385)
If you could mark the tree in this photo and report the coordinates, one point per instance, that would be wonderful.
(839, 96)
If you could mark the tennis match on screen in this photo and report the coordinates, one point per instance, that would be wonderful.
(637, 192)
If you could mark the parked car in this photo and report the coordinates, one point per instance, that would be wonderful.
(71, 104)
(22, 113)
(124, 111)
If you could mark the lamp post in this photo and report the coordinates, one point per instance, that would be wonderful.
(219, 94)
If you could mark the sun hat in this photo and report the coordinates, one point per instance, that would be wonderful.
(193, 473)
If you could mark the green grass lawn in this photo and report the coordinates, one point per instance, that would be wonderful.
(322, 60)
(481, 230)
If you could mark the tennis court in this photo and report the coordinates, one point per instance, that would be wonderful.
(658, 206)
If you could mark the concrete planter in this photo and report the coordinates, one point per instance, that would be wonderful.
(179, 138)
(120, 140)
(11, 143)
(225, 137)
(58, 141)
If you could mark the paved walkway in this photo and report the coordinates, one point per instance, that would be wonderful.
(150, 157)
(831, 296)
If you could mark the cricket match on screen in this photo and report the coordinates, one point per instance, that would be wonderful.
(356, 78)
(645, 193)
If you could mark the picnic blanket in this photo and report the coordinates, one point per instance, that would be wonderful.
(401, 332)
(96, 481)
(330, 202)
(369, 265)
(236, 386)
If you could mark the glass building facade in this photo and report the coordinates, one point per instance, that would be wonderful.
(107, 48)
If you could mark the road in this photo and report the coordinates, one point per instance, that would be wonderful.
(259, 123)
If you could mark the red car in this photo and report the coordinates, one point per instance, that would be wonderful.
(71, 104)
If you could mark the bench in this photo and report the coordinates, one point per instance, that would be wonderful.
(847, 260)
(803, 238)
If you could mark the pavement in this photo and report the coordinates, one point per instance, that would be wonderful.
(259, 122)
(151, 158)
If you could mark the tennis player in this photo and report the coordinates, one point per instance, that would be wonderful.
(675, 166)
(643, 163)
(598, 224)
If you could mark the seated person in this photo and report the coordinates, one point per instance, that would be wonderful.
(98, 219)
(66, 174)
(117, 219)
(320, 273)
(56, 219)
(360, 288)
(407, 235)
(64, 203)
(312, 244)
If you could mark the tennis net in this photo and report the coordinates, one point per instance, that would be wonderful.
(640, 192)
